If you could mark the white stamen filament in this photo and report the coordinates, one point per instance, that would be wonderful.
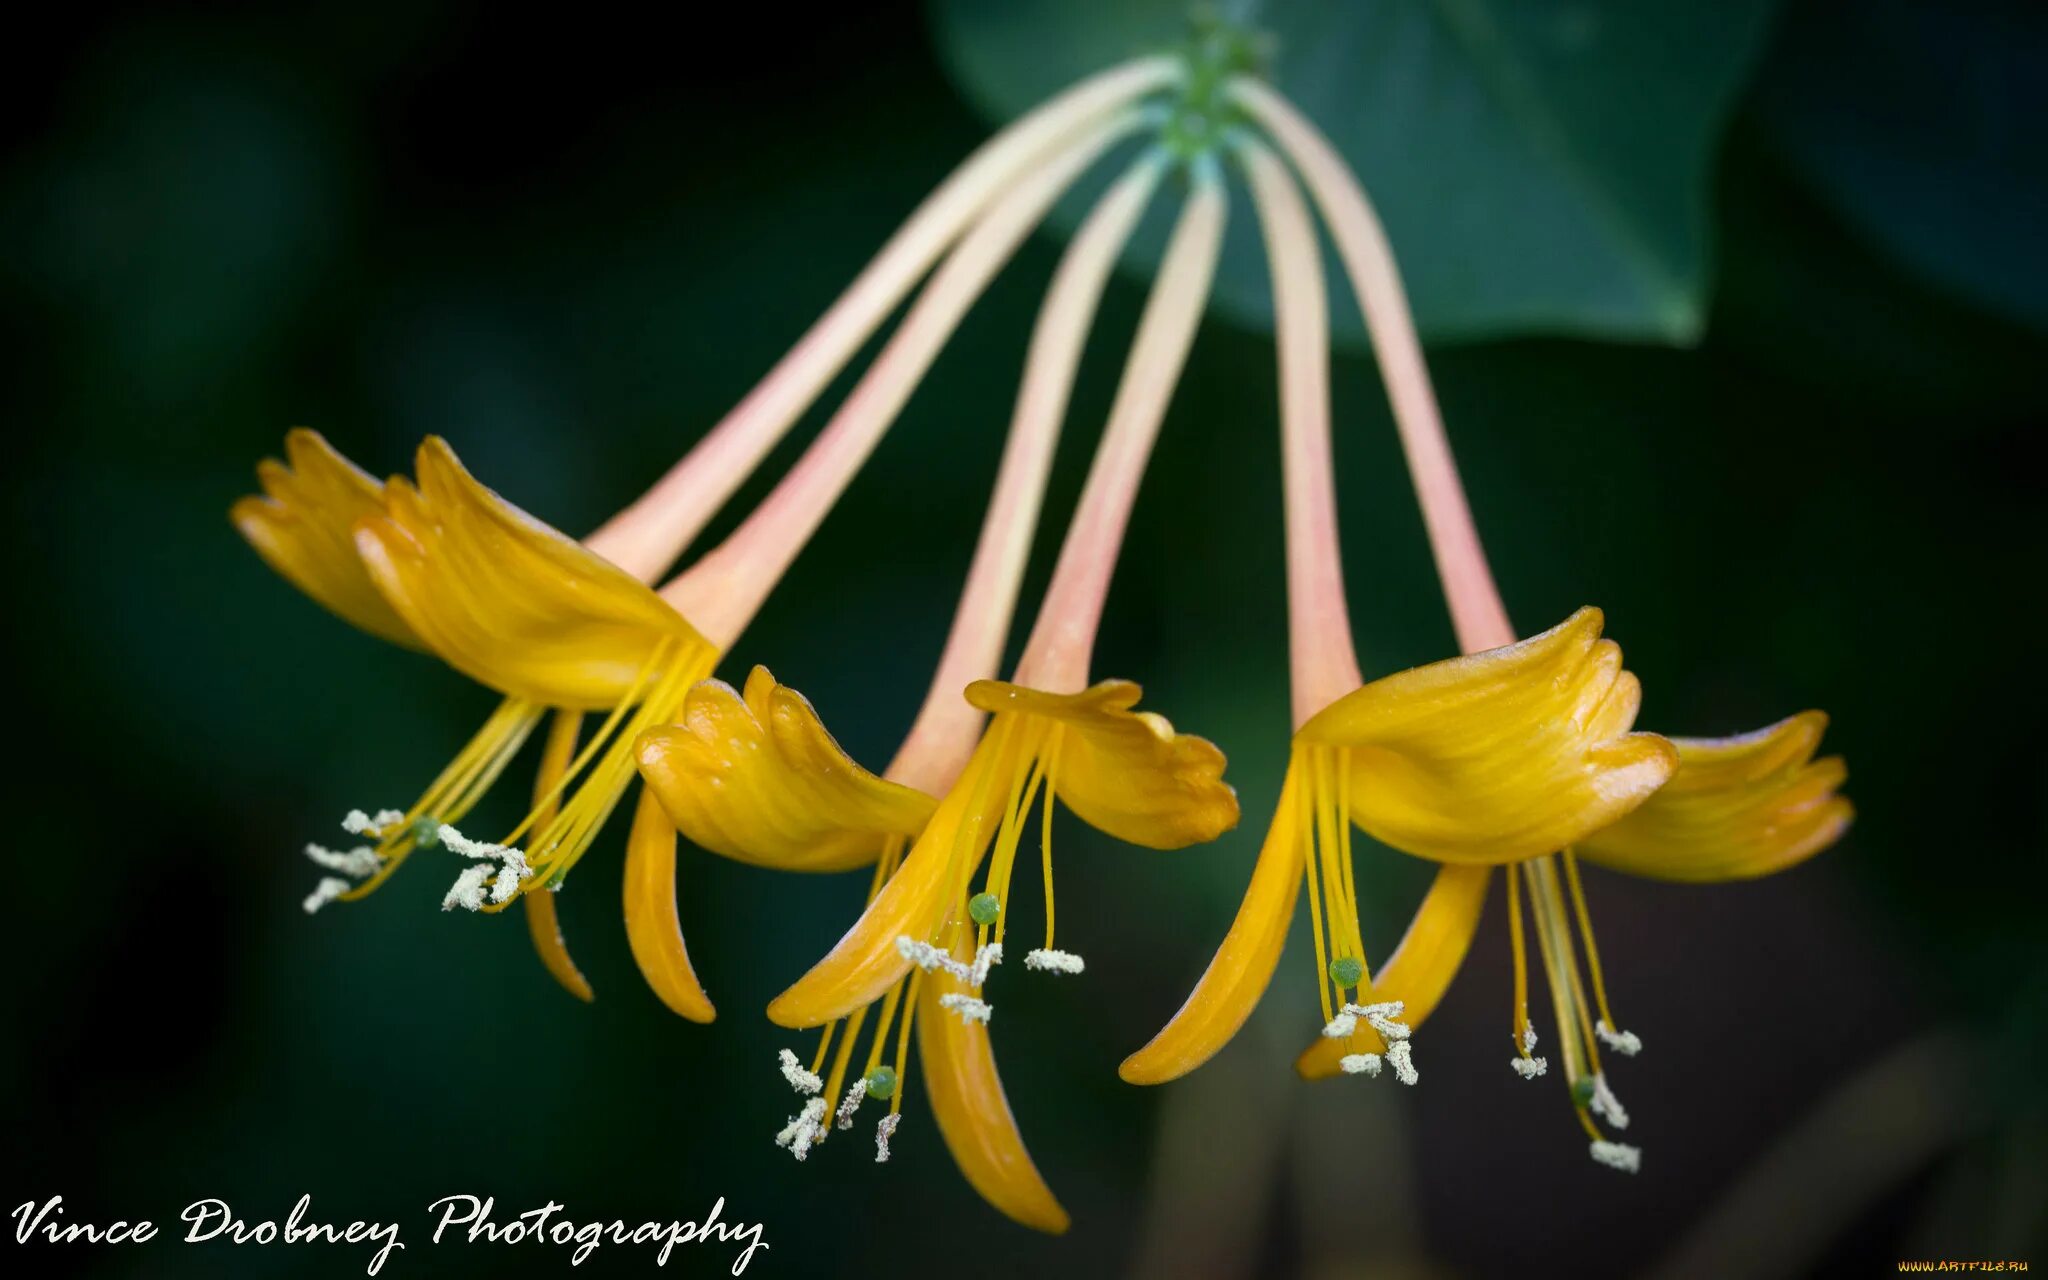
(969, 1008)
(799, 1079)
(1626, 1043)
(851, 1102)
(884, 1131)
(1049, 961)
(358, 862)
(1618, 1155)
(323, 893)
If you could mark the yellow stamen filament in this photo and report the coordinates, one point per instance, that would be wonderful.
(455, 792)
(1554, 941)
(885, 866)
(1571, 873)
(903, 1040)
(1052, 767)
(1519, 946)
(1306, 824)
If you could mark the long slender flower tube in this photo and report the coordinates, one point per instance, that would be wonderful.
(1682, 809)
(445, 564)
(923, 947)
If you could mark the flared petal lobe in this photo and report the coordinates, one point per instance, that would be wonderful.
(1737, 808)
(1125, 772)
(1243, 966)
(509, 601)
(1421, 968)
(1499, 756)
(973, 1112)
(757, 778)
(303, 527)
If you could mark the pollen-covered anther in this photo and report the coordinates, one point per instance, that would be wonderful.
(358, 862)
(1382, 1017)
(928, 957)
(1529, 1067)
(986, 956)
(468, 890)
(1604, 1104)
(358, 823)
(884, 1131)
(799, 1079)
(803, 1129)
(855, 1095)
(1049, 961)
(329, 888)
(1617, 1155)
(1401, 1057)
(969, 1008)
(1626, 1043)
(1360, 1064)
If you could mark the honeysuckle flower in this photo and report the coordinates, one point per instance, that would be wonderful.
(755, 776)
(1521, 755)
(445, 564)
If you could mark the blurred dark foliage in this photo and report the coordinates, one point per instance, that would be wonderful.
(569, 241)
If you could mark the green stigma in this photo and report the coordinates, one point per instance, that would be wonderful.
(1345, 971)
(1582, 1091)
(984, 908)
(881, 1082)
(426, 832)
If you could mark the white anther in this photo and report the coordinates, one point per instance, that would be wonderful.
(456, 842)
(803, 1129)
(1626, 1043)
(1050, 961)
(468, 890)
(1528, 1038)
(510, 877)
(986, 956)
(970, 1009)
(358, 862)
(1604, 1103)
(1529, 1068)
(1354, 1064)
(1343, 1026)
(928, 957)
(358, 823)
(851, 1102)
(883, 1132)
(323, 893)
(799, 1079)
(1382, 1017)
(1618, 1155)
(1401, 1057)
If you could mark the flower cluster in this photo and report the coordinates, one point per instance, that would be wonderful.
(1522, 755)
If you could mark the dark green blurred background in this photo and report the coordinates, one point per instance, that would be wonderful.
(570, 243)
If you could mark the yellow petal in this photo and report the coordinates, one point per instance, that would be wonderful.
(1499, 756)
(542, 925)
(758, 779)
(1243, 965)
(1422, 966)
(1737, 808)
(1127, 773)
(865, 963)
(507, 600)
(652, 927)
(973, 1113)
(302, 529)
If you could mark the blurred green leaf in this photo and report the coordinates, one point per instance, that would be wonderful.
(1924, 125)
(1541, 167)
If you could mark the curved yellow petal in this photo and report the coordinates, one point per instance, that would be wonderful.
(1499, 756)
(973, 1112)
(302, 525)
(1428, 956)
(865, 962)
(757, 778)
(1737, 808)
(1243, 966)
(653, 929)
(542, 926)
(1127, 773)
(507, 600)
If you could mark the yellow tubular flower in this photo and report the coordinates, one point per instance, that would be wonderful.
(301, 527)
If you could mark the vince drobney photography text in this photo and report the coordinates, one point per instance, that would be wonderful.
(456, 1220)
